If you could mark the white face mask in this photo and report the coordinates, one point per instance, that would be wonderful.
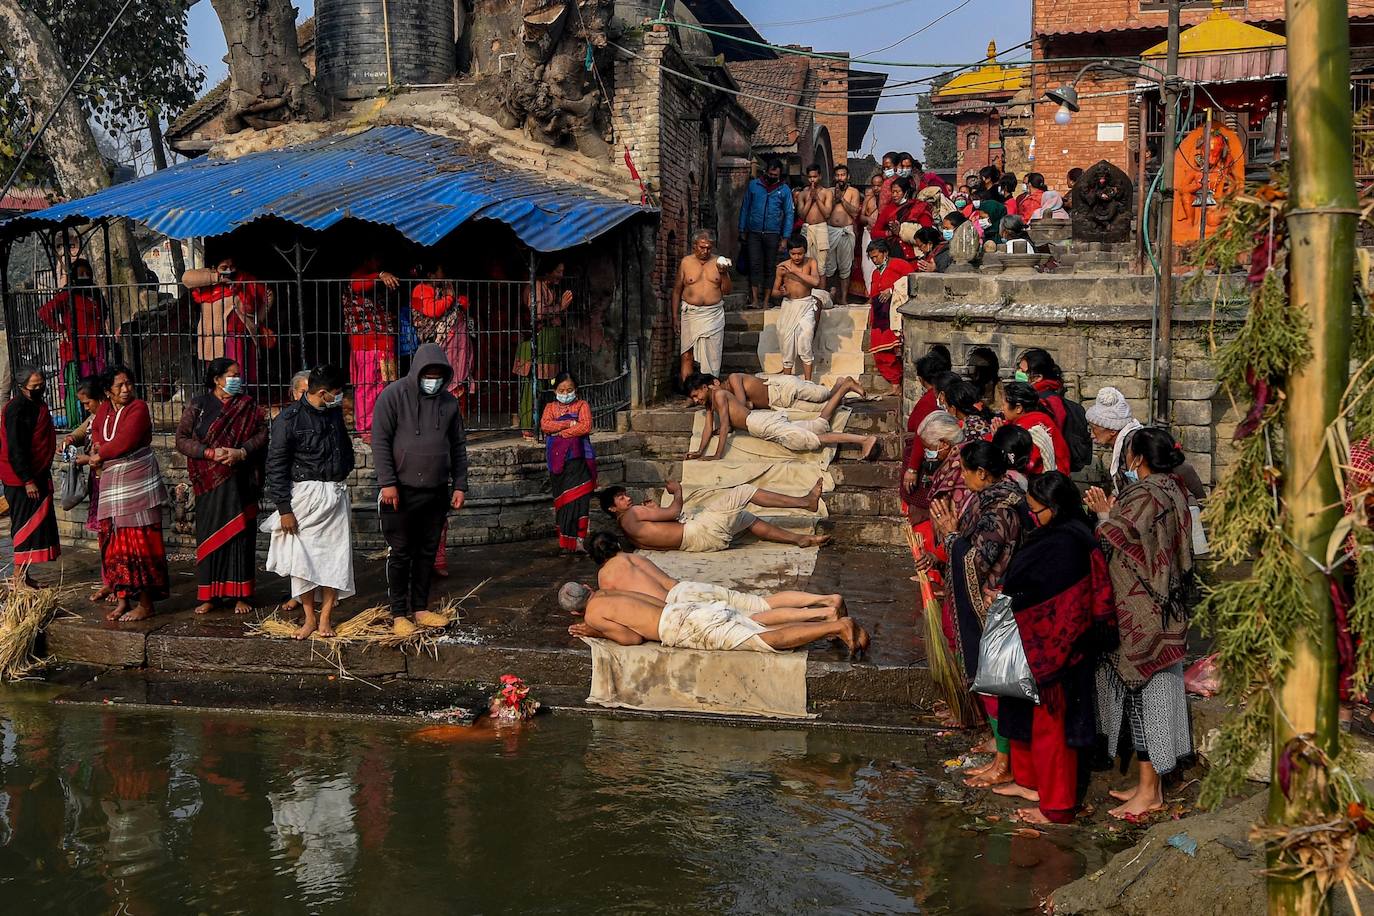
(903, 173)
(889, 173)
(336, 401)
(431, 385)
(932, 454)
(566, 397)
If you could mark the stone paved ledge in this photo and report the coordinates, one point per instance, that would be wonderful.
(512, 624)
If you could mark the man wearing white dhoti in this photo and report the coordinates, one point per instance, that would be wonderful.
(726, 411)
(631, 618)
(703, 282)
(795, 281)
(714, 525)
(309, 458)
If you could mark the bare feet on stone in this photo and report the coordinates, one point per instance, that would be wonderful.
(1124, 795)
(242, 607)
(996, 775)
(141, 612)
(119, 610)
(104, 593)
(1141, 806)
(1016, 790)
(870, 449)
(205, 607)
(326, 629)
(813, 498)
(987, 746)
(309, 627)
(1032, 816)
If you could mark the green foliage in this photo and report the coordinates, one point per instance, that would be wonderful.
(938, 138)
(141, 68)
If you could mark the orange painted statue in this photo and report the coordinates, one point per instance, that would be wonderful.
(1225, 159)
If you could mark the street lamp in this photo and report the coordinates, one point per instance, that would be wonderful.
(1066, 97)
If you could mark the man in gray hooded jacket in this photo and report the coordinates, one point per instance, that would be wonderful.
(418, 446)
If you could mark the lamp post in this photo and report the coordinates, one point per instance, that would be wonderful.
(1066, 97)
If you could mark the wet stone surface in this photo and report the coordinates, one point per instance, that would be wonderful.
(510, 623)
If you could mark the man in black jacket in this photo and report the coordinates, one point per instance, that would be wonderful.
(309, 458)
(419, 448)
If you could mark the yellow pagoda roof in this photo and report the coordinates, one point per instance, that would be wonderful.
(990, 77)
(1217, 34)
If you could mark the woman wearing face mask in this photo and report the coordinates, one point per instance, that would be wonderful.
(26, 452)
(132, 495)
(1146, 534)
(931, 250)
(1037, 367)
(223, 435)
(937, 474)
(980, 541)
(990, 215)
(1061, 596)
(567, 424)
(902, 217)
(1024, 409)
(1030, 200)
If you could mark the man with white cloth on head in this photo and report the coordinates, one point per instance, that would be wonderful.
(309, 458)
(631, 618)
(795, 281)
(703, 282)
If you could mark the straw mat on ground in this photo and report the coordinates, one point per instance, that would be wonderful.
(23, 615)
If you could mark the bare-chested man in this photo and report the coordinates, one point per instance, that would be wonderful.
(727, 411)
(795, 281)
(631, 572)
(846, 206)
(703, 281)
(631, 618)
(714, 525)
(779, 392)
(814, 203)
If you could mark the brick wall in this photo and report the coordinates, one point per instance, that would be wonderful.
(832, 78)
(1098, 330)
(1069, 16)
(1059, 148)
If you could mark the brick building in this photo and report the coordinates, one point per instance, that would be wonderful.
(1121, 114)
(989, 108)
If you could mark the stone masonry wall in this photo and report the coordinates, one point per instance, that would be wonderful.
(1099, 331)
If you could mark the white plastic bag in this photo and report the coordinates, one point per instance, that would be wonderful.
(1003, 670)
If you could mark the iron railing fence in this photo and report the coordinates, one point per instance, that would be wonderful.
(507, 344)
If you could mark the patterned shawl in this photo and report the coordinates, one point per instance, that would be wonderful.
(1148, 542)
(989, 530)
(238, 421)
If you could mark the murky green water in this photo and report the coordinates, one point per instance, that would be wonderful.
(133, 811)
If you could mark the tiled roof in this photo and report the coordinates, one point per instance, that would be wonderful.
(209, 105)
(782, 80)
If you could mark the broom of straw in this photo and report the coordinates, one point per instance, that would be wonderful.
(944, 668)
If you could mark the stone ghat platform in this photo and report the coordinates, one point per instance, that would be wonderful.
(512, 624)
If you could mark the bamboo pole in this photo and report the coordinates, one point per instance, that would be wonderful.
(1321, 223)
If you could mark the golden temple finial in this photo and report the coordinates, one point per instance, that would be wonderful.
(992, 45)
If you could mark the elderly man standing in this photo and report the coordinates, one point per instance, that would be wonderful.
(765, 220)
(420, 450)
(699, 294)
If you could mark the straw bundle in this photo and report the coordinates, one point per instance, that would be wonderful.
(944, 668)
(368, 628)
(23, 615)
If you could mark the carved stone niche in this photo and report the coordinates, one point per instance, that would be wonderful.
(1103, 204)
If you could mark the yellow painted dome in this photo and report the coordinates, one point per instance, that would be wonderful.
(990, 77)
(1217, 34)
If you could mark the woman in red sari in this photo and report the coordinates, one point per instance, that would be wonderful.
(885, 343)
(567, 424)
(26, 452)
(223, 435)
(132, 495)
(1025, 409)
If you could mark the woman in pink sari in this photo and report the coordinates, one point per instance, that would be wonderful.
(441, 316)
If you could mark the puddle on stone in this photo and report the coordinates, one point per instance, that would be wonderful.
(150, 811)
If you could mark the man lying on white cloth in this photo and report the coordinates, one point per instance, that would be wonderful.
(779, 392)
(714, 525)
(727, 411)
(630, 618)
(631, 572)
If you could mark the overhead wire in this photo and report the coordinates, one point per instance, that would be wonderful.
(945, 15)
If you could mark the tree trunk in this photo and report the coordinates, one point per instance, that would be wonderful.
(268, 82)
(160, 163)
(1321, 221)
(68, 142)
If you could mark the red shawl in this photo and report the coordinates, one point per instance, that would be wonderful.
(239, 420)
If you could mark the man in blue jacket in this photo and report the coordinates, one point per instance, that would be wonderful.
(765, 222)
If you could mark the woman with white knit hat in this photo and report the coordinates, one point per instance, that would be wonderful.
(1111, 424)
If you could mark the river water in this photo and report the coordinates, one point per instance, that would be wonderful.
(107, 809)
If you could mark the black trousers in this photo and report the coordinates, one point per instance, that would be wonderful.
(763, 260)
(412, 532)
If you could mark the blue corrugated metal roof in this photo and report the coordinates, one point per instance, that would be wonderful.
(423, 185)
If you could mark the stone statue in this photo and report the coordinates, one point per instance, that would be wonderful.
(1102, 205)
(965, 248)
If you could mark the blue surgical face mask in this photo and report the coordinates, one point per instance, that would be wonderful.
(566, 397)
(336, 401)
(961, 202)
(904, 173)
(234, 384)
(889, 173)
(1130, 475)
(431, 385)
(947, 233)
(932, 454)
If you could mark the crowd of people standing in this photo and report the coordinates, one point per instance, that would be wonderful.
(1100, 583)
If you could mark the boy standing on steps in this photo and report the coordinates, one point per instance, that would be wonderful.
(795, 282)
